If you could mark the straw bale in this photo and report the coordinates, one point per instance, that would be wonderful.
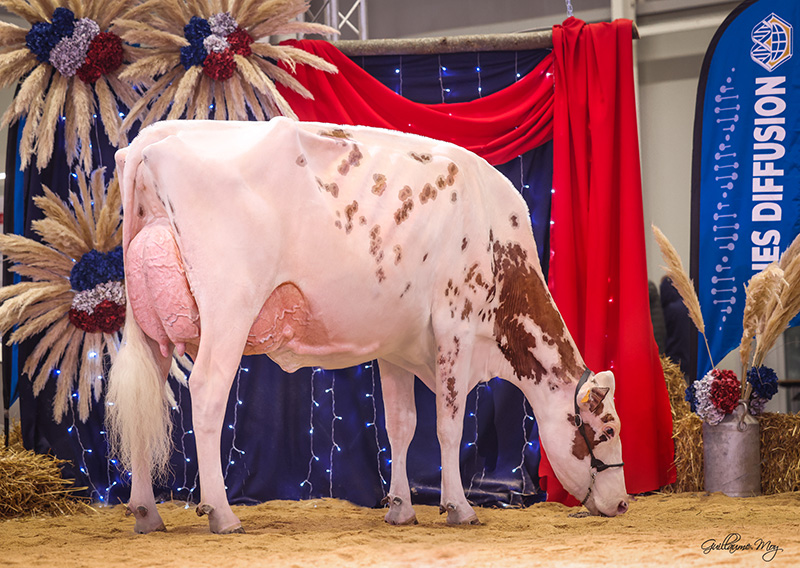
(780, 453)
(686, 433)
(31, 484)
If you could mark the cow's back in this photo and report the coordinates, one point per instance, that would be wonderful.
(378, 230)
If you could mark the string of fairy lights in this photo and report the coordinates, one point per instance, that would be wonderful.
(323, 391)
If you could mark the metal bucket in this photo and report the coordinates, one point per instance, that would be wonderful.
(731, 454)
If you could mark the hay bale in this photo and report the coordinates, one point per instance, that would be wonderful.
(780, 452)
(31, 484)
(686, 433)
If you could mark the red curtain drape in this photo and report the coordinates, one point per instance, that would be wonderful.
(598, 273)
(498, 127)
(597, 267)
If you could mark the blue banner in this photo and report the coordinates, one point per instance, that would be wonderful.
(746, 170)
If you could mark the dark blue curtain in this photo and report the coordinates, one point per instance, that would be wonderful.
(318, 433)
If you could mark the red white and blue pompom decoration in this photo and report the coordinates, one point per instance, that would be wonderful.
(213, 43)
(75, 47)
(765, 385)
(715, 395)
(99, 302)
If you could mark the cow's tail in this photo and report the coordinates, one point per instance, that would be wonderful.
(138, 405)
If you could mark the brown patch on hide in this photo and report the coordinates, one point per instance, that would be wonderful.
(579, 448)
(338, 224)
(380, 274)
(402, 214)
(362, 220)
(425, 257)
(331, 188)
(405, 193)
(428, 193)
(523, 294)
(514, 221)
(441, 183)
(398, 253)
(301, 161)
(598, 410)
(474, 278)
(450, 399)
(380, 184)
(375, 240)
(338, 133)
(453, 197)
(140, 211)
(407, 288)
(451, 180)
(354, 158)
(452, 169)
(446, 363)
(349, 212)
(423, 158)
(464, 243)
(467, 309)
(344, 167)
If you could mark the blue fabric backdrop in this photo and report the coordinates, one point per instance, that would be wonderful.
(317, 433)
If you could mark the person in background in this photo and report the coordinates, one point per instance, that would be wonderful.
(678, 328)
(657, 317)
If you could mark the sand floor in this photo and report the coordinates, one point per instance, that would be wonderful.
(659, 530)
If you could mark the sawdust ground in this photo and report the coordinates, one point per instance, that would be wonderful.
(659, 530)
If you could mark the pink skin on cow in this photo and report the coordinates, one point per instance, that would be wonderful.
(417, 235)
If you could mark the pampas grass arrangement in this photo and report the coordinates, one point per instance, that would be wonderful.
(195, 55)
(683, 284)
(69, 64)
(78, 336)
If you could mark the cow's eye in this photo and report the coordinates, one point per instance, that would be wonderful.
(608, 431)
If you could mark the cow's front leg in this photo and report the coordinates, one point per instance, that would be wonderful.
(401, 420)
(452, 383)
(210, 385)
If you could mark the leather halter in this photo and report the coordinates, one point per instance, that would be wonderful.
(596, 464)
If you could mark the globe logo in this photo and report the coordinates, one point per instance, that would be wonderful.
(772, 42)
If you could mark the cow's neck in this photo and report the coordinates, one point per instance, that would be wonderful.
(528, 328)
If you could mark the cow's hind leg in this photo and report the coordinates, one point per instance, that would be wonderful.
(452, 382)
(401, 421)
(210, 384)
(138, 420)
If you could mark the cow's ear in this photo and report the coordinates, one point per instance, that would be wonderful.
(591, 395)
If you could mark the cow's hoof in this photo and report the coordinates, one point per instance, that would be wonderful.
(145, 524)
(236, 529)
(400, 512)
(397, 521)
(473, 520)
(204, 509)
(459, 515)
(146, 530)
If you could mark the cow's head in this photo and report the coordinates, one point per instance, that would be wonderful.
(582, 441)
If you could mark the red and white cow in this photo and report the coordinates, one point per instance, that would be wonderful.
(330, 246)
